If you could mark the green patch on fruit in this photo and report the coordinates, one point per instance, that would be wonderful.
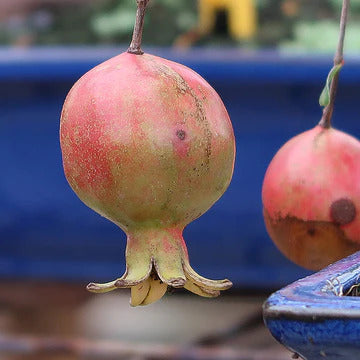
(325, 96)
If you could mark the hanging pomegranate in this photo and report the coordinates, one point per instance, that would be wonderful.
(148, 144)
(311, 190)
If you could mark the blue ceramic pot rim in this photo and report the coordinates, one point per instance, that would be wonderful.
(321, 295)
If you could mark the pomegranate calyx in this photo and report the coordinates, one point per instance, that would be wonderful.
(156, 260)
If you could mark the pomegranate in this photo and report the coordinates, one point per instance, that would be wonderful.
(311, 190)
(311, 197)
(148, 144)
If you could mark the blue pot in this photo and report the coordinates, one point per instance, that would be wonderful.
(318, 317)
(47, 232)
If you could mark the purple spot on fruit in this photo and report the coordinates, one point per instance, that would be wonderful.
(181, 134)
(343, 211)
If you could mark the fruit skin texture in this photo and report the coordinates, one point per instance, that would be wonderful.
(311, 197)
(148, 144)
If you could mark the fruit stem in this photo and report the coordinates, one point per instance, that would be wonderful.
(135, 46)
(325, 121)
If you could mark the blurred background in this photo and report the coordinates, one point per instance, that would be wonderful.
(294, 25)
(267, 59)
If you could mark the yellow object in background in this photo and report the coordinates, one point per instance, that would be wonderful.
(241, 14)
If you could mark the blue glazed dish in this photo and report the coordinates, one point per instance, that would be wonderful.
(316, 317)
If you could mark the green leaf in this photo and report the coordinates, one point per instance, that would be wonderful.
(325, 95)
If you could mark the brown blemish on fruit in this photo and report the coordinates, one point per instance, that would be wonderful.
(183, 88)
(201, 116)
(311, 244)
(343, 211)
(311, 231)
(181, 134)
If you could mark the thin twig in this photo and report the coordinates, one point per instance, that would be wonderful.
(135, 46)
(338, 60)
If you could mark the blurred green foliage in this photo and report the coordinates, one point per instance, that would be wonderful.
(107, 21)
(114, 20)
(291, 25)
